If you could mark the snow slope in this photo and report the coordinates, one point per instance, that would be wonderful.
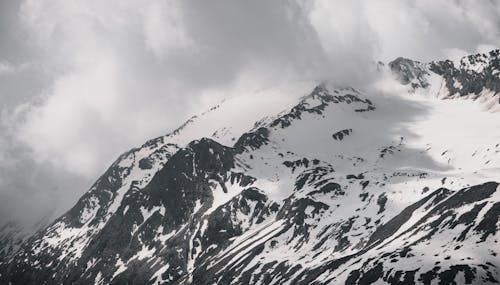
(301, 184)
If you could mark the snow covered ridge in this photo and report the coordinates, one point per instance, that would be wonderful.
(472, 76)
(308, 184)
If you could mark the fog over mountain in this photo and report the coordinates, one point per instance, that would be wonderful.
(83, 81)
(249, 142)
(299, 183)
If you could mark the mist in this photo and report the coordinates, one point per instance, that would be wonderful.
(83, 81)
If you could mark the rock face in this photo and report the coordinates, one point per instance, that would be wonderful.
(410, 72)
(9, 240)
(472, 74)
(341, 187)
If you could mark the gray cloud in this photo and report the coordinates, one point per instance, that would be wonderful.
(82, 81)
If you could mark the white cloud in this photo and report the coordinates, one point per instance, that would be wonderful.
(164, 29)
(121, 72)
(66, 127)
(7, 68)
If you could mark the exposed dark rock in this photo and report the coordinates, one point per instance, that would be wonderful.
(381, 201)
(410, 71)
(341, 134)
(145, 163)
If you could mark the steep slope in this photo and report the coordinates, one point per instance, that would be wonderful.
(13, 234)
(474, 76)
(11, 237)
(344, 186)
(138, 165)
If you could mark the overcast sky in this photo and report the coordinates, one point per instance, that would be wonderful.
(83, 81)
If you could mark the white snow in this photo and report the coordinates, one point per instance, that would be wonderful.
(426, 139)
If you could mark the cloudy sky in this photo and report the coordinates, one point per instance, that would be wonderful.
(83, 81)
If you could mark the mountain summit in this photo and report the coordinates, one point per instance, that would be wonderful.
(323, 185)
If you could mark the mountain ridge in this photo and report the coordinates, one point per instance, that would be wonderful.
(312, 195)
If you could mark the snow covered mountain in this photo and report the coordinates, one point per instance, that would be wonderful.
(472, 76)
(300, 184)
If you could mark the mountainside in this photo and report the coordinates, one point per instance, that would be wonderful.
(472, 76)
(301, 184)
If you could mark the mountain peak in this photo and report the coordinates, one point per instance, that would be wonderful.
(472, 75)
(323, 185)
